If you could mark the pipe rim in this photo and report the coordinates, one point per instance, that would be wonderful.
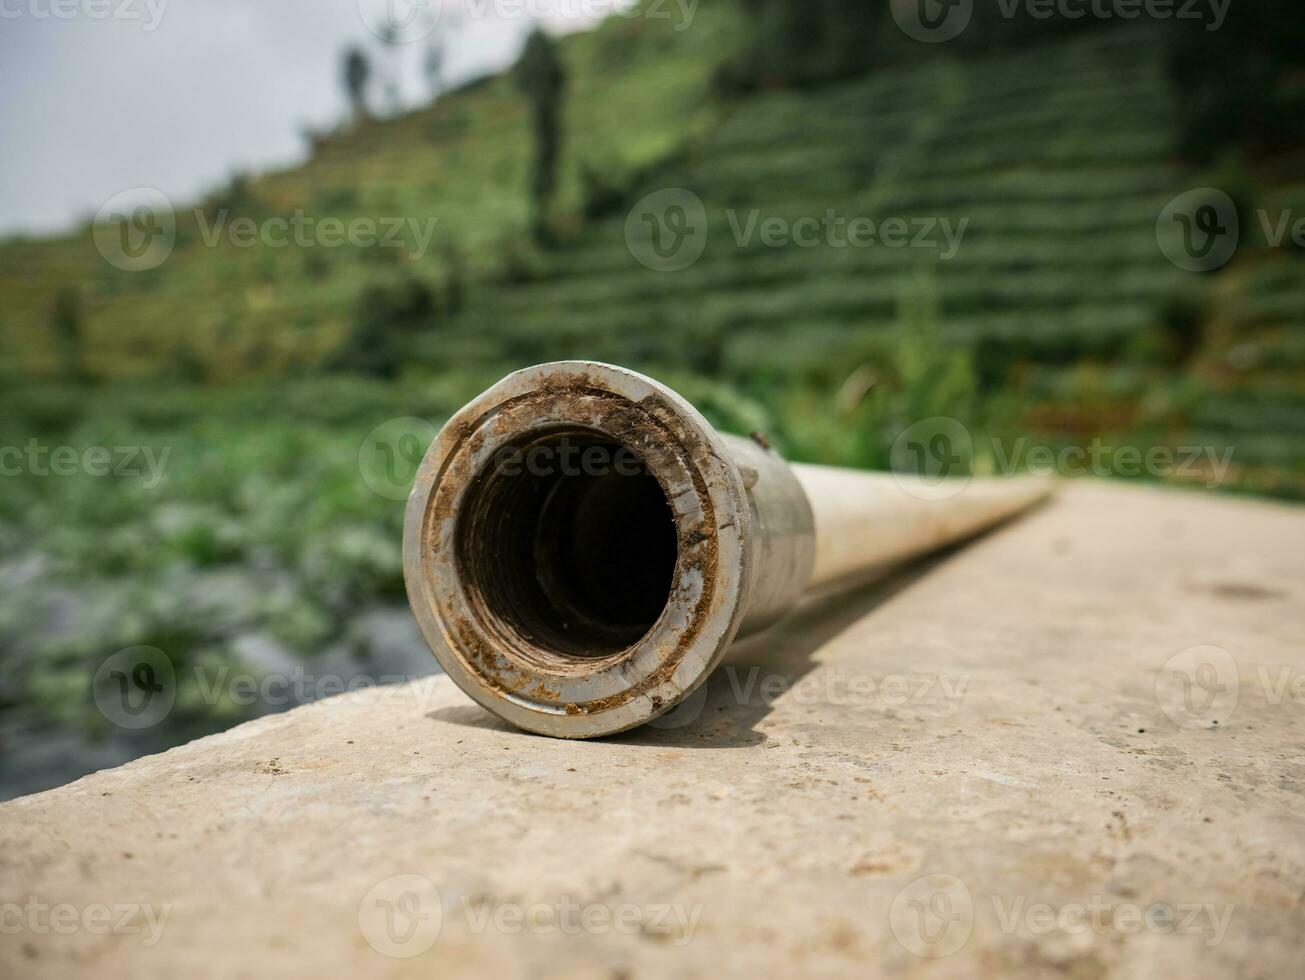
(588, 696)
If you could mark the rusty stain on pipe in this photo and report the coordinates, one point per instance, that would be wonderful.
(581, 546)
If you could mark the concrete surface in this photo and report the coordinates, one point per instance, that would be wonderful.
(1073, 749)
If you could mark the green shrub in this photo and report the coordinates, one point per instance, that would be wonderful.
(385, 320)
(800, 42)
(1233, 85)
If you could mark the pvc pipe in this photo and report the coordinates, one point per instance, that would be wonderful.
(863, 520)
(581, 546)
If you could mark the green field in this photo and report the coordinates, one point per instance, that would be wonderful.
(1057, 320)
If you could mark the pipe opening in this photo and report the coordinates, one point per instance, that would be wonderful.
(567, 545)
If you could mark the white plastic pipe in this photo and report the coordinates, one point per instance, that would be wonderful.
(864, 520)
(576, 595)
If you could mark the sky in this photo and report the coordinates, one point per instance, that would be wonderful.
(101, 96)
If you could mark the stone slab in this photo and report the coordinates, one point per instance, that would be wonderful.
(1073, 748)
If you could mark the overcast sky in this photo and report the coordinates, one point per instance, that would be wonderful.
(179, 94)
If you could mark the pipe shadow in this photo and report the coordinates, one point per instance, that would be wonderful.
(725, 710)
(473, 716)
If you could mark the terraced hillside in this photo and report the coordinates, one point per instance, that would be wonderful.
(1055, 161)
(1031, 180)
(1027, 166)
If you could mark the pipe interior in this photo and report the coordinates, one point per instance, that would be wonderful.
(567, 544)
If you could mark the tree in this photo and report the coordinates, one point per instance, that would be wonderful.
(437, 50)
(540, 76)
(69, 330)
(393, 87)
(434, 66)
(357, 71)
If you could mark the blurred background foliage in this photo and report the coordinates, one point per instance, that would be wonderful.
(262, 370)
